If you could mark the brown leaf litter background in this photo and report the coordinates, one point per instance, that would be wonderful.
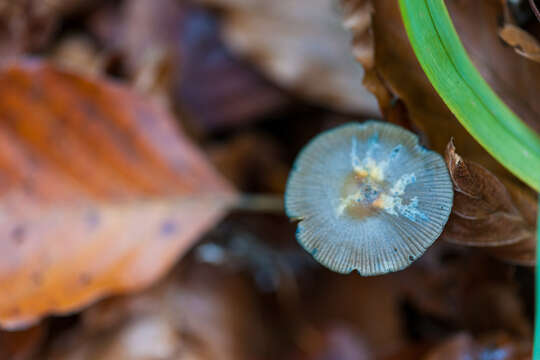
(306, 49)
(485, 214)
(114, 116)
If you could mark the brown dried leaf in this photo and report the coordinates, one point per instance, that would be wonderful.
(210, 84)
(21, 345)
(334, 342)
(490, 305)
(466, 290)
(301, 45)
(24, 25)
(485, 214)
(358, 20)
(28, 25)
(513, 77)
(252, 161)
(198, 314)
(370, 307)
(79, 54)
(463, 346)
(523, 43)
(99, 192)
(458, 347)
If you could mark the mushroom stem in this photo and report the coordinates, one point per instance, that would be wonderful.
(271, 203)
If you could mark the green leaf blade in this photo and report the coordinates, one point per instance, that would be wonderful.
(454, 77)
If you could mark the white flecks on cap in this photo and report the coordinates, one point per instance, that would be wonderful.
(368, 197)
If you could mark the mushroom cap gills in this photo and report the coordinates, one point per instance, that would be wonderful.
(368, 197)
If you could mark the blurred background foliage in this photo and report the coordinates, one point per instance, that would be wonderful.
(249, 82)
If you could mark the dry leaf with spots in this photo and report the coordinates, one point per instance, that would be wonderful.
(392, 70)
(485, 213)
(301, 45)
(99, 191)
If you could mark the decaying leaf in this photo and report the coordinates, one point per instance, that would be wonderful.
(396, 69)
(27, 25)
(214, 88)
(302, 46)
(491, 305)
(485, 214)
(79, 54)
(362, 303)
(197, 314)
(16, 20)
(99, 192)
(358, 20)
(250, 160)
(464, 346)
(334, 342)
(523, 43)
(21, 345)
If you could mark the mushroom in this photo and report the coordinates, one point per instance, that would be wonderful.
(368, 197)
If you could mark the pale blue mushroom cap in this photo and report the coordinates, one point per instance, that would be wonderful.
(368, 197)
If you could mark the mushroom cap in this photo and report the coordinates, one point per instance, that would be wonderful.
(368, 197)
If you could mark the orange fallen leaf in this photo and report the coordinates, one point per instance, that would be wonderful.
(99, 192)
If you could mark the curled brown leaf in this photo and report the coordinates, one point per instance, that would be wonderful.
(359, 21)
(485, 213)
(300, 44)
